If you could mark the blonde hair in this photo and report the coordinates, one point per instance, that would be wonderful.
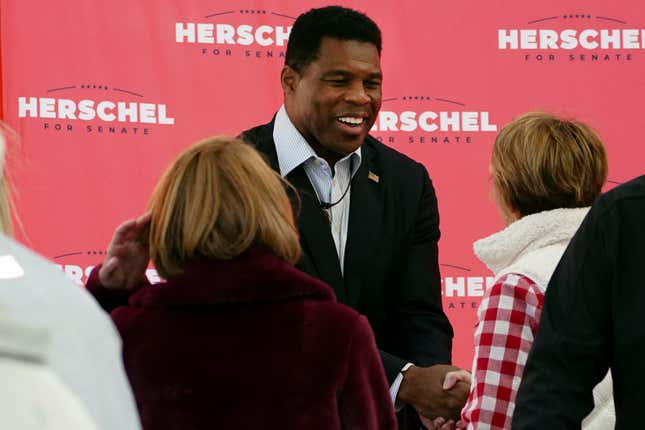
(541, 162)
(5, 201)
(217, 199)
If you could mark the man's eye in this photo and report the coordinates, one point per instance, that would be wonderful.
(372, 84)
(336, 82)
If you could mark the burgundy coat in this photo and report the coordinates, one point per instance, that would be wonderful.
(249, 343)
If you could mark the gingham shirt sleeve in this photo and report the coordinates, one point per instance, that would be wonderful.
(508, 319)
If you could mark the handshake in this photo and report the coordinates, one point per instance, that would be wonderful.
(438, 394)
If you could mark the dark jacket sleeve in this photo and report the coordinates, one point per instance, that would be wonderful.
(364, 402)
(107, 298)
(420, 330)
(392, 365)
(570, 353)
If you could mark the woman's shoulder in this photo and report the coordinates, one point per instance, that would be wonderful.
(511, 289)
(334, 317)
(513, 283)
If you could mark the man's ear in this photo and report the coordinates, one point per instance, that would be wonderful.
(289, 79)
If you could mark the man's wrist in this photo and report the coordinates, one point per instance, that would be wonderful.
(394, 388)
(407, 388)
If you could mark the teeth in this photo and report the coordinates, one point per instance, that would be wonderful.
(351, 120)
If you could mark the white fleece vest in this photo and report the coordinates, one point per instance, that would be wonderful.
(532, 246)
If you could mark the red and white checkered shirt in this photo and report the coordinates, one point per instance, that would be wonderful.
(508, 317)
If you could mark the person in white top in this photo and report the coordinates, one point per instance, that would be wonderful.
(76, 374)
(32, 396)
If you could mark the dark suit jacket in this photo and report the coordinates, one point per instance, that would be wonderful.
(391, 266)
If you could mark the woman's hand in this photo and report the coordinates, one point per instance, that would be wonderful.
(126, 261)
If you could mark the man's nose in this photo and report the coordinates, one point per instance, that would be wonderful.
(357, 94)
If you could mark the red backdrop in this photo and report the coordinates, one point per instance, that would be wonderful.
(105, 94)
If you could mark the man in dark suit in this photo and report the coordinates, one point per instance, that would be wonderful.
(368, 215)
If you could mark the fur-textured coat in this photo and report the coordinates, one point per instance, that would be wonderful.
(248, 343)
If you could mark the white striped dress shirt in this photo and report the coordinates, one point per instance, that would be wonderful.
(293, 150)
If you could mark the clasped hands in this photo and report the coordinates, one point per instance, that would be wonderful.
(438, 393)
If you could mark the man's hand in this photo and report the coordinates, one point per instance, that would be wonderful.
(449, 382)
(423, 388)
(126, 261)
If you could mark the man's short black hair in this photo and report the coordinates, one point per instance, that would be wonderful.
(332, 21)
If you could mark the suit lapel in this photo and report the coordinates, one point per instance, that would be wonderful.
(262, 139)
(315, 234)
(365, 223)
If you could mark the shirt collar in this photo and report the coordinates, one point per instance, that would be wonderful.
(292, 148)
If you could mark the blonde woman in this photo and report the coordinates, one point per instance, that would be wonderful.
(545, 173)
(235, 337)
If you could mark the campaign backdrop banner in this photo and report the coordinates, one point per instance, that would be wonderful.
(103, 95)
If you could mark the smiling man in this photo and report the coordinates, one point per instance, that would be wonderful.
(368, 217)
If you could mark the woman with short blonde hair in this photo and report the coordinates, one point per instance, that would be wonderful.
(545, 173)
(215, 201)
(236, 337)
(541, 162)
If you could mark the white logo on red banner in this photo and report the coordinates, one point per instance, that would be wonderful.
(573, 37)
(425, 119)
(244, 33)
(108, 110)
